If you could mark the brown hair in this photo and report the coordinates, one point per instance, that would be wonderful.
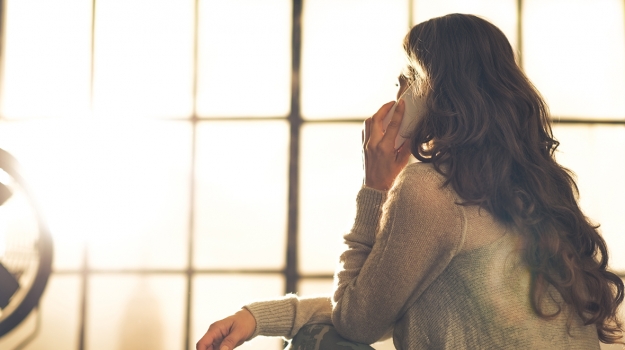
(490, 128)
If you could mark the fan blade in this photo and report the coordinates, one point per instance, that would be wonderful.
(8, 286)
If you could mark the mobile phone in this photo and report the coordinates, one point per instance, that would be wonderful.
(414, 109)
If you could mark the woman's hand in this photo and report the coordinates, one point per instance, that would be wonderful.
(228, 333)
(382, 161)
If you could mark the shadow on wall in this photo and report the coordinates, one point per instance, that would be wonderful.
(141, 325)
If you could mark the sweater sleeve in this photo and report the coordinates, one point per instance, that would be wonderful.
(388, 264)
(285, 316)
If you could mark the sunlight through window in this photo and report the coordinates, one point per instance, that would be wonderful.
(331, 177)
(119, 186)
(139, 177)
(143, 64)
(241, 201)
(580, 71)
(244, 58)
(351, 56)
(46, 57)
(595, 154)
(136, 312)
(502, 13)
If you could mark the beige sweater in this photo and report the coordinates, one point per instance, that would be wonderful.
(436, 274)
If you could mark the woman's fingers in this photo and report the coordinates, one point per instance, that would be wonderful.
(377, 127)
(214, 335)
(382, 161)
(383, 111)
(228, 333)
(392, 129)
(233, 340)
(404, 152)
(221, 334)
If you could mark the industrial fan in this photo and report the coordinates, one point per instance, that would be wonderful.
(25, 247)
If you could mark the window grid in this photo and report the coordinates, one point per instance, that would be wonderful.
(290, 272)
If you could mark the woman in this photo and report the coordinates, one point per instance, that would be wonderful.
(482, 244)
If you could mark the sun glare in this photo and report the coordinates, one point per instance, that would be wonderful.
(246, 72)
(351, 56)
(143, 61)
(46, 72)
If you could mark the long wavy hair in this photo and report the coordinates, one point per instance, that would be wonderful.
(488, 131)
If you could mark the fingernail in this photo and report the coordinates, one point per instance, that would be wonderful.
(224, 348)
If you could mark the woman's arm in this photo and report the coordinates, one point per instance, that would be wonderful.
(383, 273)
(285, 316)
(385, 269)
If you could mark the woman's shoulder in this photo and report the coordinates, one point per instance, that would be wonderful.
(423, 177)
(425, 207)
(420, 170)
(421, 186)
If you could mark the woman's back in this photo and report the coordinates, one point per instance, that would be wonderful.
(480, 300)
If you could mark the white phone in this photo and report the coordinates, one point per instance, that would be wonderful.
(414, 109)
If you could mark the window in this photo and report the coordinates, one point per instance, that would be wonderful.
(192, 156)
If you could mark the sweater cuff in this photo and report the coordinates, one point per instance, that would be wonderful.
(368, 212)
(273, 318)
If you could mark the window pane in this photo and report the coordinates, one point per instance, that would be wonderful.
(46, 58)
(595, 154)
(502, 13)
(578, 68)
(135, 312)
(331, 175)
(122, 185)
(219, 296)
(315, 286)
(59, 311)
(241, 194)
(143, 58)
(140, 194)
(244, 58)
(351, 56)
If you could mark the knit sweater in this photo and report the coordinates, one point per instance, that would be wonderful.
(435, 274)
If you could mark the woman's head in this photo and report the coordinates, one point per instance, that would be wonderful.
(487, 129)
(459, 46)
(476, 92)
(483, 113)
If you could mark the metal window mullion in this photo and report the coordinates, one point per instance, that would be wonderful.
(85, 269)
(190, 271)
(295, 120)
